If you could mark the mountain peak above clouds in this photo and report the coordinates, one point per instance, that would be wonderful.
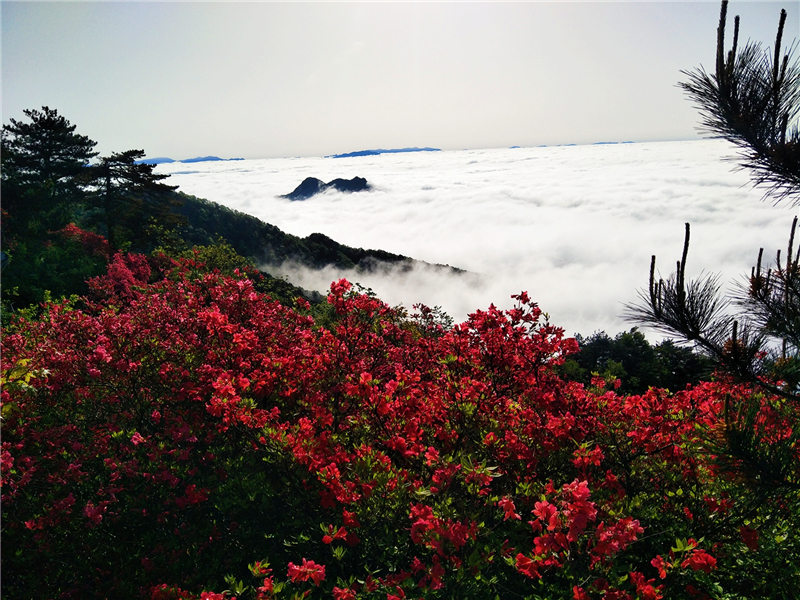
(312, 186)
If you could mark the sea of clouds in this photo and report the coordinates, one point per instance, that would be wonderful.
(574, 226)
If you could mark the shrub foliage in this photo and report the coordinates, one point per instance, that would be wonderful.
(177, 426)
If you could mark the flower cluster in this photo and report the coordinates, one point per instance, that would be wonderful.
(179, 424)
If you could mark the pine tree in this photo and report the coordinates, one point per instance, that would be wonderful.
(751, 100)
(51, 178)
(43, 170)
(131, 199)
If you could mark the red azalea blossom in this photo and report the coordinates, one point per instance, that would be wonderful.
(644, 587)
(578, 593)
(700, 560)
(267, 586)
(547, 513)
(399, 596)
(350, 518)
(309, 570)
(214, 596)
(510, 510)
(343, 594)
(749, 537)
(527, 566)
(661, 565)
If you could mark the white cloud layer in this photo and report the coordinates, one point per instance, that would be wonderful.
(575, 226)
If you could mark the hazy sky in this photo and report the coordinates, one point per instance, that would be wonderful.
(262, 79)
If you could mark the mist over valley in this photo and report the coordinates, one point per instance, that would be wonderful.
(575, 226)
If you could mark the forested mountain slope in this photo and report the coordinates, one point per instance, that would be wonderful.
(66, 212)
(265, 243)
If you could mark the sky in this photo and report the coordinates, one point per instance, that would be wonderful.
(574, 226)
(271, 79)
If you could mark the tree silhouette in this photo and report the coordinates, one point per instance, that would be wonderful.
(43, 169)
(131, 198)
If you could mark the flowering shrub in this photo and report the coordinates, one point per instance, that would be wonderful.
(167, 434)
(91, 242)
(59, 264)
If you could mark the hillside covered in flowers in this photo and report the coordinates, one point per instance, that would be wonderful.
(178, 434)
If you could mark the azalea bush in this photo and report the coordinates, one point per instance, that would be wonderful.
(178, 434)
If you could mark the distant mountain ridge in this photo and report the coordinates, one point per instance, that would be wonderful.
(382, 151)
(207, 159)
(163, 159)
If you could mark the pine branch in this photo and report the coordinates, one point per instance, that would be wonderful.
(751, 100)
